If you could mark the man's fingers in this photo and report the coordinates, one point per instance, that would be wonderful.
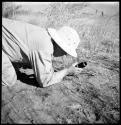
(74, 64)
(78, 69)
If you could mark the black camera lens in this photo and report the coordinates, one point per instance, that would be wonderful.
(81, 65)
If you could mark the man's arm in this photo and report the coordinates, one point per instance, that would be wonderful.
(58, 76)
(43, 69)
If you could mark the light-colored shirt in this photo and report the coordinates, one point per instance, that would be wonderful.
(27, 43)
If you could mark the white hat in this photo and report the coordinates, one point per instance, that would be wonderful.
(67, 38)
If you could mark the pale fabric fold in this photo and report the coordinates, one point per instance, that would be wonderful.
(9, 76)
(42, 65)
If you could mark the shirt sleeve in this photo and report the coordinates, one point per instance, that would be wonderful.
(42, 65)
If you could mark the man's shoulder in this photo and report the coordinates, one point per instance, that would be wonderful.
(41, 40)
(39, 34)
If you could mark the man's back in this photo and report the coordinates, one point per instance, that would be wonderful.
(26, 43)
(34, 37)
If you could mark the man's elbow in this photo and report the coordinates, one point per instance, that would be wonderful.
(43, 83)
(47, 84)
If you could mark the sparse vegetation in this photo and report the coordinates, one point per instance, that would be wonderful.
(89, 97)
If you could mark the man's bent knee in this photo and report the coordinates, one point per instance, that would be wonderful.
(9, 76)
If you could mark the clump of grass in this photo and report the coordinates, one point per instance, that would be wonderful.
(60, 13)
(98, 38)
(11, 10)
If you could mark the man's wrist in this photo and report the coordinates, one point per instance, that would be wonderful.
(68, 70)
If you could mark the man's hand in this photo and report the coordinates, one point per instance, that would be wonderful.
(58, 76)
(74, 70)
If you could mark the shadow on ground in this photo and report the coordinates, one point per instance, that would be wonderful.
(89, 97)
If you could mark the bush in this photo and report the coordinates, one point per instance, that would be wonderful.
(9, 9)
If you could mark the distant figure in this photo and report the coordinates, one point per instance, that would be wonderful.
(96, 11)
(102, 13)
(35, 46)
(83, 34)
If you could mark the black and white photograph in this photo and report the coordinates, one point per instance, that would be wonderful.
(60, 63)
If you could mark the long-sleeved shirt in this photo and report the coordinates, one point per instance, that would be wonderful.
(27, 43)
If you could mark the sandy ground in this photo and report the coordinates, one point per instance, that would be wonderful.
(88, 97)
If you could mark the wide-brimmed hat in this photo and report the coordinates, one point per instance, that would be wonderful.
(67, 38)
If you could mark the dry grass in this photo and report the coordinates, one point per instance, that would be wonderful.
(91, 96)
